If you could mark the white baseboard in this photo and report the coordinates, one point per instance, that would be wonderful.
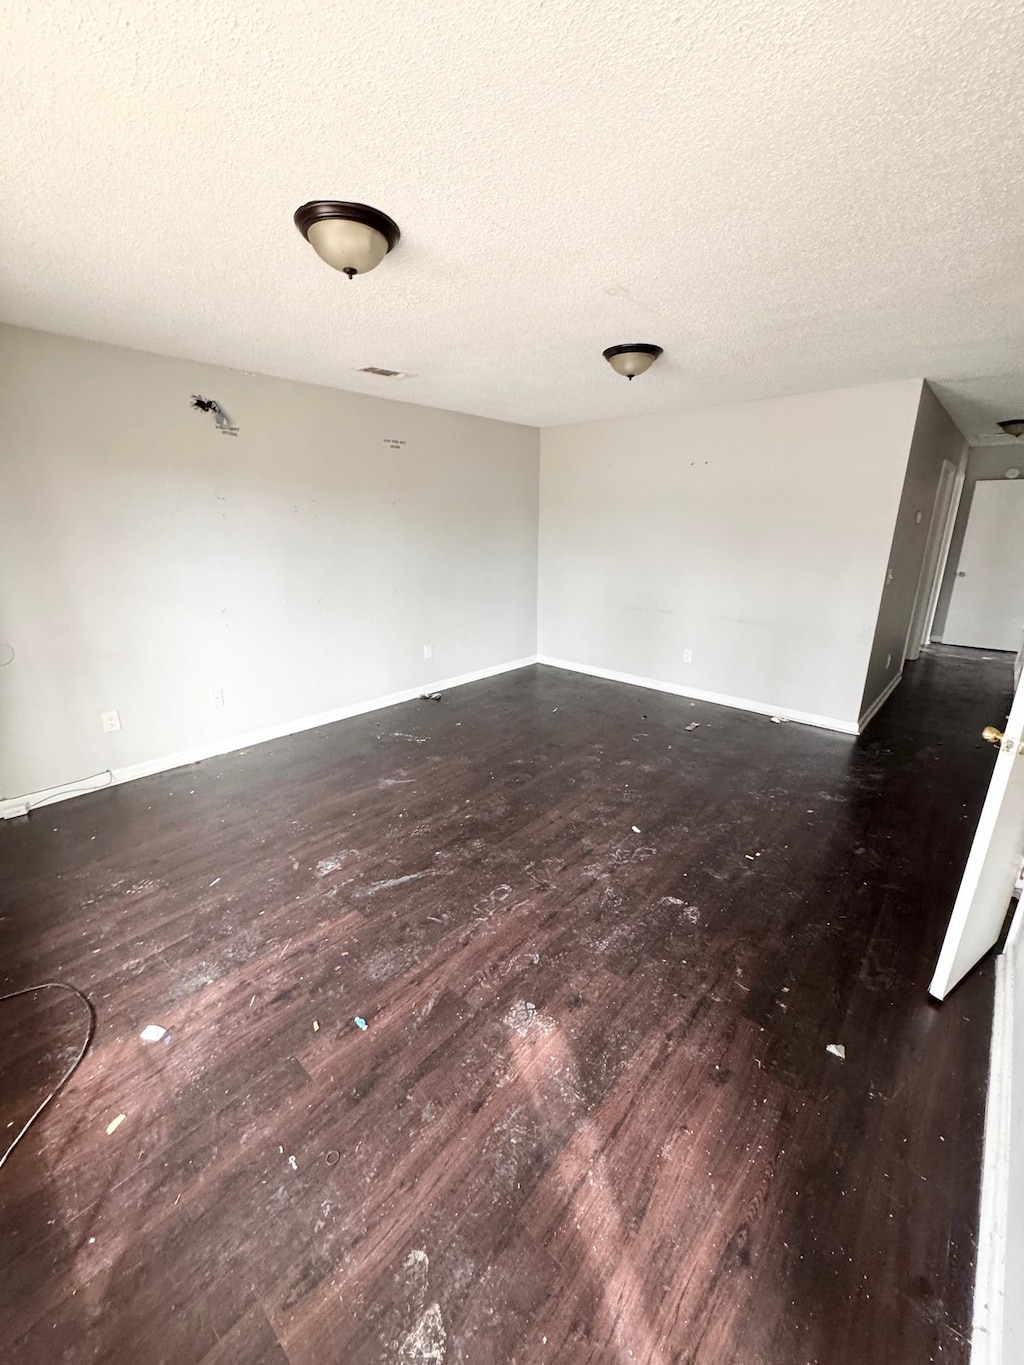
(846, 727)
(990, 1273)
(21, 805)
(879, 701)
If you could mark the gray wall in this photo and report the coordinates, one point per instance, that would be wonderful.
(756, 535)
(146, 560)
(935, 439)
(983, 462)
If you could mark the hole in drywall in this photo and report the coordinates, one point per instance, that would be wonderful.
(210, 405)
(6, 655)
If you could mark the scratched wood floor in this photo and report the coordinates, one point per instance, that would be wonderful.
(592, 1117)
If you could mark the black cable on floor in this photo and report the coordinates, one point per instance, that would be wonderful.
(58, 986)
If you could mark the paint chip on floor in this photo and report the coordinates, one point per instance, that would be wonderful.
(114, 1124)
(837, 1050)
(152, 1033)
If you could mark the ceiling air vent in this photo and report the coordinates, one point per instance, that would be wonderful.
(384, 374)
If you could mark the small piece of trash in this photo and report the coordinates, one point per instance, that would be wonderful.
(693, 725)
(554, 709)
(114, 1124)
(252, 1002)
(360, 1023)
(215, 881)
(776, 720)
(293, 1163)
(152, 1033)
(837, 1050)
(333, 1158)
(430, 696)
(636, 829)
(316, 1027)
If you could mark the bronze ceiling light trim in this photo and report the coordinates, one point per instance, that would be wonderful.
(352, 238)
(633, 358)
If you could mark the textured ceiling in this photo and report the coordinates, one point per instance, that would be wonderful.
(785, 196)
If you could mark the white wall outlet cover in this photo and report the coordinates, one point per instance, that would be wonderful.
(110, 720)
(428, 651)
(687, 656)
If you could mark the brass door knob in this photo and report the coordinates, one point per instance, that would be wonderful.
(992, 736)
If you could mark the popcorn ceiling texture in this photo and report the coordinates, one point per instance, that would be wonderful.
(786, 197)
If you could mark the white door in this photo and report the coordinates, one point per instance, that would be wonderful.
(995, 859)
(987, 606)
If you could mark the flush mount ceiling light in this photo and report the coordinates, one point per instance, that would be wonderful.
(633, 359)
(1013, 427)
(352, 238)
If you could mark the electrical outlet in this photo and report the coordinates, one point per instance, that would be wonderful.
(428, 651)
(687, 656)
(217, 697)
(110, 720)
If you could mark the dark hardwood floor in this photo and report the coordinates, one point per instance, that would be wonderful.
(592, 1117)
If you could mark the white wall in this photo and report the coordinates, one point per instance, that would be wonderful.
(756, 535)
(983, 463)
(935, 439)
(302, 565)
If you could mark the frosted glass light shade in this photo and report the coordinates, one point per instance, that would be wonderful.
(350, 247)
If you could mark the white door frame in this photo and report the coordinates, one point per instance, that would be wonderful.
(936, 552)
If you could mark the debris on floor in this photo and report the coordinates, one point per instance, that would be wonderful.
(215, 881)
(431, 696)
(333, 1157)
(114, 1124)
(293, 1163)
(152, 1033)
(693, 725)
(316, 1027)
(636, 829)
(837, 1050)
(360, 1023)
